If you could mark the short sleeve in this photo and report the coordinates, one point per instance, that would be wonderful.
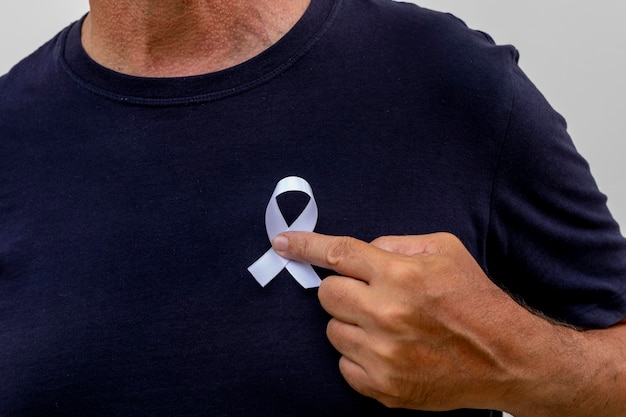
(552, 241)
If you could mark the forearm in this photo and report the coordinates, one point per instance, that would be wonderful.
(571, 373)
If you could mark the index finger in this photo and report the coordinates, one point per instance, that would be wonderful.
(345, 255)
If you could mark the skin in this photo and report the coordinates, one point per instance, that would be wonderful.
(176, 38)
(421, 326)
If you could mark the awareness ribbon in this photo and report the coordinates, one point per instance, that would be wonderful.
(270, 264)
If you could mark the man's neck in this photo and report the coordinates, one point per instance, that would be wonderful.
(174, 38)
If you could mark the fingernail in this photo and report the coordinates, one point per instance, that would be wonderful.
(280, 243)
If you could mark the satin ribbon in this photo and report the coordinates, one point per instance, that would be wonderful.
(270, 264)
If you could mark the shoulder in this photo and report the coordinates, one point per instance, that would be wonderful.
(31, 74)
(407, 23)
(433, 47)
(29, 94)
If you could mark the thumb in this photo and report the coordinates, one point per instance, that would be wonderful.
(413, 244)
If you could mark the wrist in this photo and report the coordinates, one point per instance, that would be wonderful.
(556, 371)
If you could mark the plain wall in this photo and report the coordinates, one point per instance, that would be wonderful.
(573, 50)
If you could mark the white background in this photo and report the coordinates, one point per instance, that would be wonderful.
(574, 51)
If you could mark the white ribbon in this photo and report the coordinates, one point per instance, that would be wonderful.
(270, 264)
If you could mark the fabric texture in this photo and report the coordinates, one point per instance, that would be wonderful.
(130, 209)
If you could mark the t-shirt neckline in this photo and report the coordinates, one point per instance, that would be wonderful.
(198, 88)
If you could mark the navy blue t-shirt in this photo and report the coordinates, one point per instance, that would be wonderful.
(131, 208)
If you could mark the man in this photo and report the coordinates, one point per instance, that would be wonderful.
(139, 150)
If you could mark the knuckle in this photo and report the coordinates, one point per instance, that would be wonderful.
(391, 401)
(392, 392)
(406, 274)
(393, 315)
(446, 236)
(446, 240)
(402, 391)
(383, 242)
(440, 243)
(340, 248)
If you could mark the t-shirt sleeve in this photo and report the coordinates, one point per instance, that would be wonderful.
(552, 241)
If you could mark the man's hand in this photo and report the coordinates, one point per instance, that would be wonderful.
(413, 317)
(420, 325)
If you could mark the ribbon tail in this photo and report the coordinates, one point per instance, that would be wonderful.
(304, 274)
(267, 267)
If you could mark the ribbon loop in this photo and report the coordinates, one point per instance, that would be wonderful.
(270, 264)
